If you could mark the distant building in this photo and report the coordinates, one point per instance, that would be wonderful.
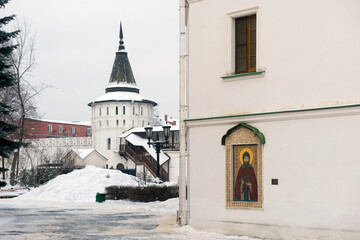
(41, 128)
(120, 109)
(85, 157)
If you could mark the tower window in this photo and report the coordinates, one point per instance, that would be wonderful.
(124, 110)
(109, 143)
(117, 110)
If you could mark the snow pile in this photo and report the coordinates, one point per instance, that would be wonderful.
(79, 185)
(169, 206)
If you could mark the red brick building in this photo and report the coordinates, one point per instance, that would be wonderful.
(38, 128)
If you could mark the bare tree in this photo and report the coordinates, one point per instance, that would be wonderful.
(25, 93)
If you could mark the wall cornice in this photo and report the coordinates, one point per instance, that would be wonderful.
(285, 115)
(193, 1)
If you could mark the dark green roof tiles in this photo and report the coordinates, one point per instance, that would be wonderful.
(121, 71)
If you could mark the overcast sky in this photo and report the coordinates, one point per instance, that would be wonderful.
(76, 41)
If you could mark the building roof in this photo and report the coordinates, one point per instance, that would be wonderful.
(83, 152)
(122, 84)
(82, 123)
(138, 141)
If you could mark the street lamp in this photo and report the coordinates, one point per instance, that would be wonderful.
(157, 145)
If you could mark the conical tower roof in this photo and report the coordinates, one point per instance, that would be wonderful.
(122, 86)
(121, 71)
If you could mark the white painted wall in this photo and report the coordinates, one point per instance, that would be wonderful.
(310, 52)
(95, 159)
(105, 126)
(309, 49)
(173, 165)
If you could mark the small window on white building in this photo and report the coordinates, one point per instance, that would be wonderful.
(124, 110)
(133, 123)
(133, 110)
(124, 123)
(99, 123)
(49, 128)
(100, 111)
(60, 129)
(107, 110)
(117, 110)
(72, 130)
(107, 123)
(117, 123)
(109, 143)
(141, 110)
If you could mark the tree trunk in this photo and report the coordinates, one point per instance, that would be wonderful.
(17, 164)
(3, 166)
(13, 168)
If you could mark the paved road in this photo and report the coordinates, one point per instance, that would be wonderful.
(25, 223)
(84, 221)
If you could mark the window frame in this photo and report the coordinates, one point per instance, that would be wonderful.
(247, 44)
(232, 16)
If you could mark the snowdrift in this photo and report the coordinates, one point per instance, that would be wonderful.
(79, 185)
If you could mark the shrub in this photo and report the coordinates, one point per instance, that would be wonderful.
(28, 178)
(142, 193)
(2, 184)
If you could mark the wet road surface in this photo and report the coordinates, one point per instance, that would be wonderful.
(25, 223)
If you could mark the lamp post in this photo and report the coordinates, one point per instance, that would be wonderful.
(157, 145)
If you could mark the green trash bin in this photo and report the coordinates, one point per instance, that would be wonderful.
(100, 197)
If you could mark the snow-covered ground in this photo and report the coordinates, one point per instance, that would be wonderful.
(78, 190)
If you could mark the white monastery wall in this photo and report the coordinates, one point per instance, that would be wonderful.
(309, 55)
(309, 52)
(316, 163)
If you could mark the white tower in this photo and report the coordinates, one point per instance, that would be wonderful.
(118, 110)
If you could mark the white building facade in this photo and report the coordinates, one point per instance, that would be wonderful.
(121, 108)
(272, 121)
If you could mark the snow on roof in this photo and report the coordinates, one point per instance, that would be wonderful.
(142, 129)
(138, 141)
(122, 96)
(84, 152)
(84, 123)
(115, 84)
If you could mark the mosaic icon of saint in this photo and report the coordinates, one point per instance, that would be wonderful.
(246, 184)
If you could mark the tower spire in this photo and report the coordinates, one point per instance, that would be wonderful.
(121, 42)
